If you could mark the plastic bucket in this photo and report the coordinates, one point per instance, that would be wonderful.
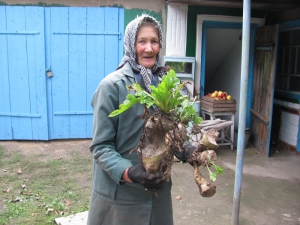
(197, 107)
(247, 136)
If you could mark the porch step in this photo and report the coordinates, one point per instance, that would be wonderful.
(76, 219)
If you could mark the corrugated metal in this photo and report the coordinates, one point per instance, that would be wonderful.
(79, 45)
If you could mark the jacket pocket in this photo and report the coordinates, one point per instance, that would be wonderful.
(103, 184)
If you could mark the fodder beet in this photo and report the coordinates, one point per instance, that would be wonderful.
(165, 130)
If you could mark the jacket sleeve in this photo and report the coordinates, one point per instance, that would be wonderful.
(103, 146)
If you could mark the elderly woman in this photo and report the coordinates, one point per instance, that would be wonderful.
(123, 192)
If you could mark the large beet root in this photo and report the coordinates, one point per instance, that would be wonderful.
(152, 145)
(206, 189)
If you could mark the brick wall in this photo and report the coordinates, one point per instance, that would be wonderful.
(285, 125)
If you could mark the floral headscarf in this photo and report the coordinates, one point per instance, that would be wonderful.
(130, 55)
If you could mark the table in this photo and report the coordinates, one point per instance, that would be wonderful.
(224, 139)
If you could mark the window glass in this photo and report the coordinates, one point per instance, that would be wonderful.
(279, 60)
(298, 61)
(285, 38)
(281, 82)
(180, 67)
(295, 39)
(295, 83)
(288, 61)
(292, 60)
(285, 59)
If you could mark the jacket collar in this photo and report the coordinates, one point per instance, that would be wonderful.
(127, 70)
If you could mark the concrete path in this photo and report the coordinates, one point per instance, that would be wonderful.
(270, 192)
(77, 219)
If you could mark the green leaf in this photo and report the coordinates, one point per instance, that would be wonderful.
(218, 169)
(142, 96)
(212, 176)
(165, 93)
(188, 112)
(166, 96)
(197, 120)
(130, 101)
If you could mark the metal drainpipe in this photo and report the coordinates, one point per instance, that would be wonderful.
(242, 111)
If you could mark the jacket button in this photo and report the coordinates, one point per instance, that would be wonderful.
(150, 203)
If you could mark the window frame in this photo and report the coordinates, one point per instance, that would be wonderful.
(284, 64)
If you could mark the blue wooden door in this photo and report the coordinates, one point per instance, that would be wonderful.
(83, 46)
(23, 107)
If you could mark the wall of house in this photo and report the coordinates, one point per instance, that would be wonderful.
(289, 15)
(227, 77)
(155, 5)
(193, 11)
(91, 13)
(225, 70)
(132, 8)
(285, 126)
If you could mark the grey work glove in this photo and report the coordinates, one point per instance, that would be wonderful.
(151, 181)
(190, 151)
(185, 155)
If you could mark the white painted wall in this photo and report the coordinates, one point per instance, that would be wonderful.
(176, 30)
(200, 19)
(289, 125)
(219, 44)
(289, 128)
(228, 77)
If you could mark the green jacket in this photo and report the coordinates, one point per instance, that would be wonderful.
(112, 202)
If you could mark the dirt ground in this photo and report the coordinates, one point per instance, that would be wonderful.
(51, 149)
(270, 190)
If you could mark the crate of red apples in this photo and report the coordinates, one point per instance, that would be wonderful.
(218, 101)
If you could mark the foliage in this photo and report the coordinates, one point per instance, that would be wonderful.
(166, 96)
(178, 67)
(212, 175)
(37, 189)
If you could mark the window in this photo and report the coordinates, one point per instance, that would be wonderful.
(183, 66)
(288, 67)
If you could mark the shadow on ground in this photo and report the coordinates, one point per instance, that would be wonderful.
(270, 191)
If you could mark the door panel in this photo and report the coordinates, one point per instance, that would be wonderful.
(23, 111)
(263, 87)
(84, 46)
(79, 45)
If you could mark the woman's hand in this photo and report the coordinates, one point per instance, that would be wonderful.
(138, 174)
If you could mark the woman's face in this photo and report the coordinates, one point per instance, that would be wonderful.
(147, 46)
